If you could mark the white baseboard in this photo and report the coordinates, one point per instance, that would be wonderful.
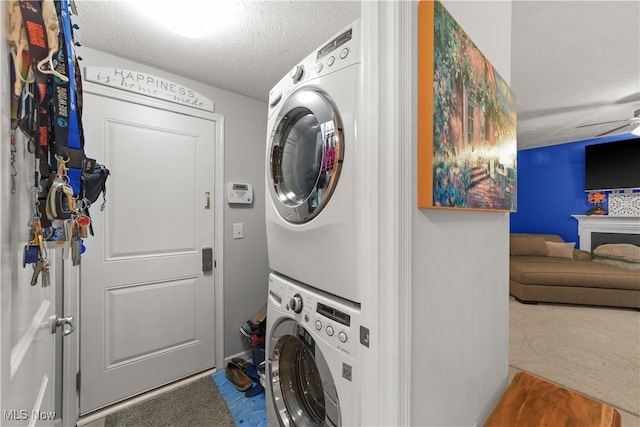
(246, 355)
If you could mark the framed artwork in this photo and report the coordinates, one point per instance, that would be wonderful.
(466, 121)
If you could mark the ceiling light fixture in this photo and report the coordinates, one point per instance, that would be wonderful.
(191, 18)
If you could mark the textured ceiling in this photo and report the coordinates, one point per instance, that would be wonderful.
(269, 37)
(573, 62)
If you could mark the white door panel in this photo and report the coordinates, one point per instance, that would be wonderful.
(147, 309)
(155, 332)
(169, 154)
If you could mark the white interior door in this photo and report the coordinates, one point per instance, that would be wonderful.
(147, 308)
(27, 342)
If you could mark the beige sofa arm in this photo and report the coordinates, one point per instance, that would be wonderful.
(580, 255)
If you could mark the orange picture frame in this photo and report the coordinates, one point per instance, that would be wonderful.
(466, 121)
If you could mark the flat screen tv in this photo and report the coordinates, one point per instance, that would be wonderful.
(612, 166)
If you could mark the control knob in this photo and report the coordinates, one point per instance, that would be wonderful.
(296, 303)
(296, 73)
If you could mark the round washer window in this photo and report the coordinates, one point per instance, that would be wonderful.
(306, 156)
(301, 383)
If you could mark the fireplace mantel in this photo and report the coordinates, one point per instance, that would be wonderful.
(588, 224)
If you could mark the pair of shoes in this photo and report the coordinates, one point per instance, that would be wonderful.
(255, 324)
(236, 375)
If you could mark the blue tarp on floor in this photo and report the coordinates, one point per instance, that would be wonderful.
(246, 411)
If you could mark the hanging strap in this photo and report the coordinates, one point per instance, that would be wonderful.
(38, 50)
(66, 123)
(37, 40)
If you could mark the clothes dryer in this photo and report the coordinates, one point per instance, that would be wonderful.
(313, 377)
(312, 144)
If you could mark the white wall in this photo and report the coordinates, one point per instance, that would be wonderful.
(459, 290)
(246, 266)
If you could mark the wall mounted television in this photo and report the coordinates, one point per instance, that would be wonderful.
(612, 166)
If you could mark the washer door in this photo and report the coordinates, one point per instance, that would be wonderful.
(303, 390)
(305, 155)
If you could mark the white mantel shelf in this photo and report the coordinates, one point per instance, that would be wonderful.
(588, 224)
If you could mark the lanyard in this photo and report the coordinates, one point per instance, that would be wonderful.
(66, 126)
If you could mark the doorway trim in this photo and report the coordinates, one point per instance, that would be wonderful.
(71, 358)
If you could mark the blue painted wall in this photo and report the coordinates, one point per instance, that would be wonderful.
(551, 188)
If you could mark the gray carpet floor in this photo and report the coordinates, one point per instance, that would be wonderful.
(592, 350)
(198, 404)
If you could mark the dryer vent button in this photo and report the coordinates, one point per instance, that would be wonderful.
(331, 60)
(318, 325)
(344, 53)
(342, 336)
(329, 331)
(319, 68)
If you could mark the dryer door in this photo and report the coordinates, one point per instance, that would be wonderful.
(305, 156)
(303, 390)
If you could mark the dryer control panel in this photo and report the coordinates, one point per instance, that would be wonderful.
(336, 54)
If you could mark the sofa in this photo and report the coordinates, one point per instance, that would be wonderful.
(544, 268)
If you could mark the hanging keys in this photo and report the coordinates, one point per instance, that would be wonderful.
(76, 242)
(36, 252)
(37, 269)
(31, 255)
(83, 222)
(46, 281)
(41, 267)
(76, 246)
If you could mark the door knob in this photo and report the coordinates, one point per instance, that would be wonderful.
(62, 321)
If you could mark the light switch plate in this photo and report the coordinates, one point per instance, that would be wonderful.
(238, 230)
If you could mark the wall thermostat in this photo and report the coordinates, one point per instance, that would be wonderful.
(238, 192)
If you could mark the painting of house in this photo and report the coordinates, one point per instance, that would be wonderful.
(467, 121)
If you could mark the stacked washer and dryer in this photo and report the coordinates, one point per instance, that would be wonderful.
(313, 310)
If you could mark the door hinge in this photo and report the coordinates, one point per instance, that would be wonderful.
(78, 382)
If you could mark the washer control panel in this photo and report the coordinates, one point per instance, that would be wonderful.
(331, 321)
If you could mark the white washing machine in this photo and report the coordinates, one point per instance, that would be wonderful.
(312, 363)
(310, 167)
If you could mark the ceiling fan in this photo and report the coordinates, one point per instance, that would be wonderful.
(633, 121)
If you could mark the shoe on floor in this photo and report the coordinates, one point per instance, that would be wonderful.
(252, 372)
(234, 374)
(256, 390)
(247, 329)
(242, 364)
